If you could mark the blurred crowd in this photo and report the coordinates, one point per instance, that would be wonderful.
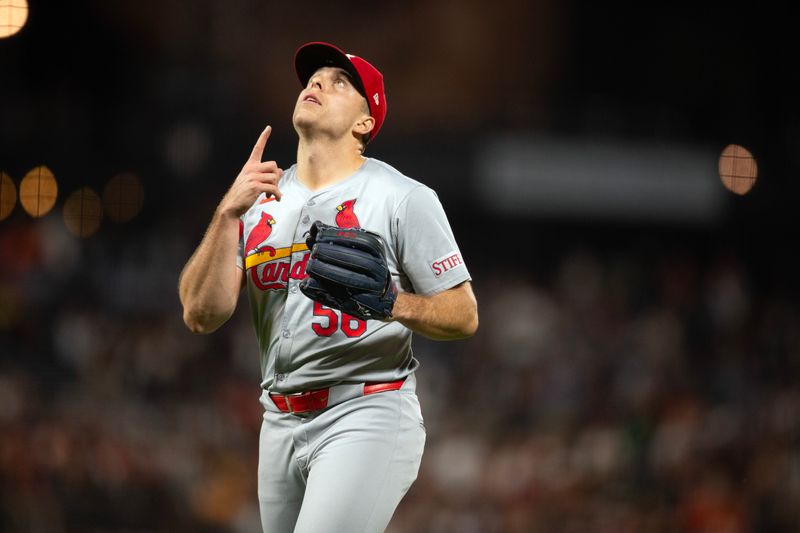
(606, 391)
(644, 387)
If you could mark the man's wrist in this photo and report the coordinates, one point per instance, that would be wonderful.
(226, 215)
(401, 307)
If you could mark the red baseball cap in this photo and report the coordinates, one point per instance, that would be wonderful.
(367, 79)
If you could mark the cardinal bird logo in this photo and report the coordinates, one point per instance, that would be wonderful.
(259, 233)
(346, 217)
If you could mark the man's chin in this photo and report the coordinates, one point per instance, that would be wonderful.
(303, 121)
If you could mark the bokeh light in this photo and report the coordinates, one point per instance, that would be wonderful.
(8, 195)
(13, 15)
(123, 197)
(38, 191)
(83, 212)
(737, 169)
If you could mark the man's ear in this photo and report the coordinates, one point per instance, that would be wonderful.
(364, 126)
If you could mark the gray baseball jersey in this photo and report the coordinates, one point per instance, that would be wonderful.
(305, 345)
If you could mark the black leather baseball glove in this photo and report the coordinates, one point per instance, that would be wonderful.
(347, 270)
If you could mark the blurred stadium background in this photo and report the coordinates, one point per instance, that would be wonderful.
(636, 368)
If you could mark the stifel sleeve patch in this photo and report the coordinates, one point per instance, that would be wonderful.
(446, 263)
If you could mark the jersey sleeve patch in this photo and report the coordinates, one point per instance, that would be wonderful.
(446, 263)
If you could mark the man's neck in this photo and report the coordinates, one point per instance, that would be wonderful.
(324, 162)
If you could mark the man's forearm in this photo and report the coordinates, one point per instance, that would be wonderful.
(210, 282)
(450, 315)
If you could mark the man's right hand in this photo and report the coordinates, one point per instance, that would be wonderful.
(256, 177)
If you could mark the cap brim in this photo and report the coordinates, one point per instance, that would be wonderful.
(312, 56)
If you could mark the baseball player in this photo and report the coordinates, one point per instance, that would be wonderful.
(343, 258)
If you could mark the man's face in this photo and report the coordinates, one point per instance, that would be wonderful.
(330, 104)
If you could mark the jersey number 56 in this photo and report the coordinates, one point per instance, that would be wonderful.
(330, 322)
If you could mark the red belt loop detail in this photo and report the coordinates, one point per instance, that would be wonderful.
(302, 402)
(280, 402)
(372, 388)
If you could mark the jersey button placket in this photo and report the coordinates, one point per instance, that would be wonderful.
(285, 351)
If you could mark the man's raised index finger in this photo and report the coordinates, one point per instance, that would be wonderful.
(258, 149)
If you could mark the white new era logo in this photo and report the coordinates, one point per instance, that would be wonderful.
(377, 100)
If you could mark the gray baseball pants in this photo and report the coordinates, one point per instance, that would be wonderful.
(340, 470)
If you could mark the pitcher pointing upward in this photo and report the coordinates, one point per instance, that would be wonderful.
(343, 258)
